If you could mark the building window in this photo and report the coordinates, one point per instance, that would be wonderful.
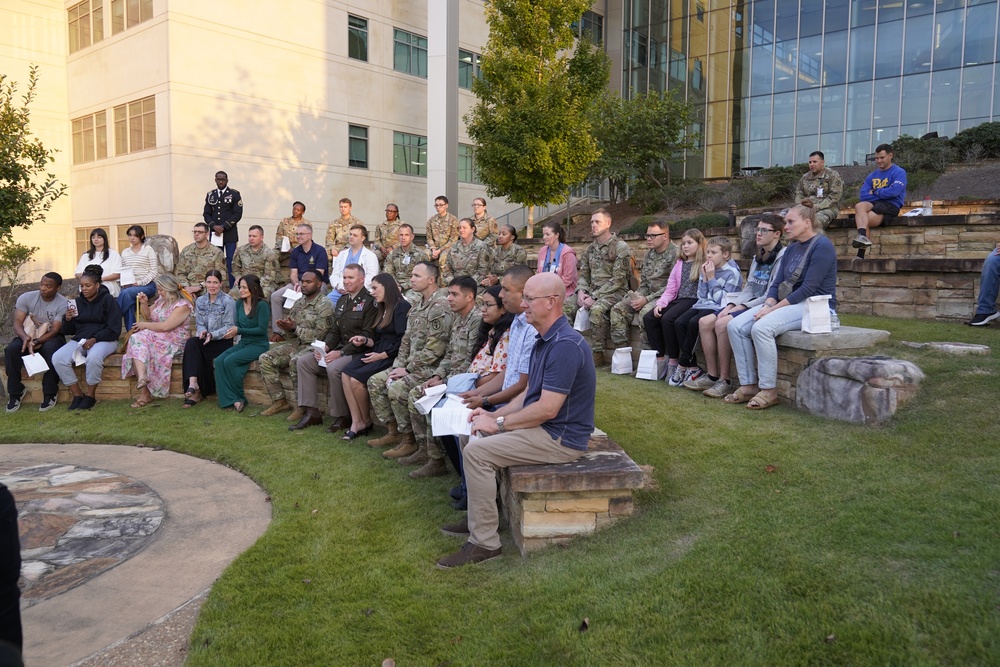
(357, 38)
(409, 53)
(148, 228)
(467, 164)
(127, 13)
(86, 24)
(592, 24)
(357, 146)
(90, 137)
(409, 154)
(468, 68)
(135, 126)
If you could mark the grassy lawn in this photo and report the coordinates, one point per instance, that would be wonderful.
(862, 546)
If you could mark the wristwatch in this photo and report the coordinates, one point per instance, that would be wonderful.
(500, 421)
(486, 402)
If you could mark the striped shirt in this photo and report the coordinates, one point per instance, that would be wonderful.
(144, 264)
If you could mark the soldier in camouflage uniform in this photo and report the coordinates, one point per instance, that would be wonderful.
(198, 259)
(308, 320)
(824, 187)
(464, 335)
(468, 256)
(604, 271)
(486, 224)
(400, 262)
(506, 254)
(442, 232)
(339, 230)
(287, 226)
(258, 259)
(423, 346)
(387, 234)
(661, 255)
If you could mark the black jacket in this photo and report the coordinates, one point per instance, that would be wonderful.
(100, 319)
(227, 211)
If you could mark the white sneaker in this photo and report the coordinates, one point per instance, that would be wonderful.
(676, 378)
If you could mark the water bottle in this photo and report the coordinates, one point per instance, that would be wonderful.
(834, 321)
(928, 206)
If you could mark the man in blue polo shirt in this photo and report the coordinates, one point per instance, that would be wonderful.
(550, 422)
(306, 256)
(881, 195)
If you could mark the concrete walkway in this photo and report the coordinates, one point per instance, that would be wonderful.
(212, 514)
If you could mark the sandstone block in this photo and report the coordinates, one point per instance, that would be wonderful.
(557, 524)
(577, 505)
(864, 390)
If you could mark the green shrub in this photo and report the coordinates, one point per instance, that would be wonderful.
(703, 221)
(640, 224)
(914, 154)
(646, 196)
(918, 183)
(985, 136)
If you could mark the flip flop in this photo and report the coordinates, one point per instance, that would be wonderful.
(762, 402)
(737, 396)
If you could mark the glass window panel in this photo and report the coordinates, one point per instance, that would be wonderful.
(98, 20)
(719, 81)
(856, 146)
(918, 43)
(948, 32)
(761, 68)
(837, 13)
(117, 16)
(785, 56)
(916, 92)
(720, 26)
(807, 112)
(884, 135)
(886, 107)
(810, 59)
(804, 145)
(787, 25)
(944, 5)
(146, 8)
(782, 152)
(357, 149)
(832, 111)
(717, 125)
(132, 13)
(890, 49)
(862, 54)
(977, 91)
(947, 128)
(101, 134)
(784, 115)
(835, 58)
(918, 7)
(832, 146)
(357, 38)
(917, 130)
(944, 95)
(859, 105)
(763, 22)
(890, 10)
(966, 123)
(811, 19)
(996, 101)
(760, 117)
(758, 154)
(863, 12)
(980, 34)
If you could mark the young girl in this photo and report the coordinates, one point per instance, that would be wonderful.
(717, 275)
(680, 294)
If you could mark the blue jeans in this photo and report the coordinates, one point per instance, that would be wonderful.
(989, 285)
(126, 301)
(754, 346)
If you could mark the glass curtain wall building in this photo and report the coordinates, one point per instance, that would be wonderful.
(773, 80)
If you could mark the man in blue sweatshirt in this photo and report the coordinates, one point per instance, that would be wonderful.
(881, 196)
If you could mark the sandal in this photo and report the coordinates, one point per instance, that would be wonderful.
(190, 391)
(139, 384)
(193, 399)
(761, 402)
(140, 403)
(239, 405)
(736, 397)
(351, 435)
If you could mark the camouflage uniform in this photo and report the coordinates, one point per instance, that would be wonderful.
(467, 260)
(486, 229)
(313, 318)
(423, 347)
(337, 233)
(442, 233)
(464, 334)
(386, 236)
(604, 271)
(287, 227)
(399, 264)
(653, 277)
(501, 259)
(263, 263)
(828, 206)
(194, 262)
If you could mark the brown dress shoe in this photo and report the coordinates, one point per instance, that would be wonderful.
(311, 417)
(405, 447)
(457, 529)
(339, 424)
(433, 468)
(296, 414)
(469, 554)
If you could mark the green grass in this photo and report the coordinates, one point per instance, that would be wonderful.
(864, 546)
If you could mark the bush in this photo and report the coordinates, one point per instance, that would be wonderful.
(918, 183)
(13, 258)
(640, 224)
(647, 197)
(913, 154)
(985, 136)
(703, 221)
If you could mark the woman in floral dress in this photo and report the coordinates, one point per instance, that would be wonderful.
(156, 341)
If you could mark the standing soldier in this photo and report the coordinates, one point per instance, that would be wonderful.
(308, 320)
(660, 258)
(442, 232)
(287, 227)
(339, 230)
(223, 210)
(486, 224)
(387, 234)
(197, 259)
(258, 259)
(400, 262)
(604, 278)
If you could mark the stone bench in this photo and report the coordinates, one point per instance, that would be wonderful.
(553, 503)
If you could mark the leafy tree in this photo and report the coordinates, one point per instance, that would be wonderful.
(531, 123)
(638, 136)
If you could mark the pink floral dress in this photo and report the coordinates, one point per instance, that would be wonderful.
(484, 363)
(157, 349)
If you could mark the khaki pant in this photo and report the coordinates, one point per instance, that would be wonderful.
(308, 394)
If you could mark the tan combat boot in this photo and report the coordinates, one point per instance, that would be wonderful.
(277, 407)
(391, 438)
(417, 458)
(406, 446)
(433, 468)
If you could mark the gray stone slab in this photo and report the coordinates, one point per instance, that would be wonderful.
(605, 466)
(848, 338)
(955, 349)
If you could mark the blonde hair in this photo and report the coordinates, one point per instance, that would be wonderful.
(807, 211)
(699, 254)
(721, 242)
(169, 286)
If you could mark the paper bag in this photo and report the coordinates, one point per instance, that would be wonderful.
(320, 347)
(286, 245)
(647, 365)
(621, 361)
(582, 321)
(816, 314)
(34, 363)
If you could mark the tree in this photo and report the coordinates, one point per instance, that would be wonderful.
(638, 136)
(532, 124)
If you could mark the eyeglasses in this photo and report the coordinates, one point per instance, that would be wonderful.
(653, 236)
(389, 210)
(479, 205)
(489, 304)
(530, 299)
(763, 230)
(439, 205)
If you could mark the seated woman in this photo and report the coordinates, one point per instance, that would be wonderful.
(557, 257)
(93, 322)
(808, 268)
(156, 341)
(468, 255)
(102, 254)
(389, 329)
(506, 254)
(139, 261)
(253, 316)
(214, 315)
